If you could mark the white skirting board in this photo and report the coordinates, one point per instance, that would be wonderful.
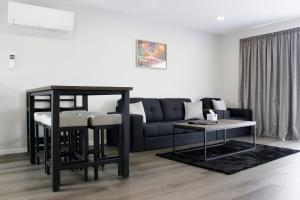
(23, 150)
(12, 151)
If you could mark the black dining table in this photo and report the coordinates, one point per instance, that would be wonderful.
(54, 92)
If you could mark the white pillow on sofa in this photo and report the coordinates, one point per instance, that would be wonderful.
(219, 105)
(193, 110)
(137, 109)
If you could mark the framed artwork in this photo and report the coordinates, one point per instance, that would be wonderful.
(151, 54)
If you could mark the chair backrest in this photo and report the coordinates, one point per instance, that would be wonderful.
(43, 103)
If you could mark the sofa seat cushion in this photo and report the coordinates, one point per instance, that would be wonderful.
(173, 109)
(154, 129)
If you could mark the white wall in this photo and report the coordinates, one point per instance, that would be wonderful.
(100, 51)
(229, 54)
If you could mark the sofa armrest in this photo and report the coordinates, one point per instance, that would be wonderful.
(222, 114)
(240, 113)
(136, 133)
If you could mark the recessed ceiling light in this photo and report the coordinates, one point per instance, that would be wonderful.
(220, 18)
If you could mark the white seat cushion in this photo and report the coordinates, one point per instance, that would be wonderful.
(38, 116)
(75, 112)
(66, 120)
(97, 119)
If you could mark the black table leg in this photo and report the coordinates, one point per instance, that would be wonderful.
(55, 142)
(125, 135)
(31, 127)
(85, 104)
(96, 152)
(102, 145)
(120, 148)
(37, 145)
(45, 149)
(85, 134)
(27, 120)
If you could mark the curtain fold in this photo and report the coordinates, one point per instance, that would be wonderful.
(270, 82)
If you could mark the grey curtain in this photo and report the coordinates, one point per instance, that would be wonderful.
(270, 82)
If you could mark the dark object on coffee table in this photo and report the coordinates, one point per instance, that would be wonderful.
(202, 122)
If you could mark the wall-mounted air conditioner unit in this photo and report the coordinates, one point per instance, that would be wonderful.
(37, 16)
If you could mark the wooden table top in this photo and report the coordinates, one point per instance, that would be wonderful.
(221, 125)
(87, 88)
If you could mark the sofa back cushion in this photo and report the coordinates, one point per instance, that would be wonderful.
(173, 108)
(207, 103)
(152, 108)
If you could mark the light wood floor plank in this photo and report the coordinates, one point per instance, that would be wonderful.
(154, 178)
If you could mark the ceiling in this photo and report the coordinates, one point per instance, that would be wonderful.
(202, 14)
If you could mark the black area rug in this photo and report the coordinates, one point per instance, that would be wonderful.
(234, 163)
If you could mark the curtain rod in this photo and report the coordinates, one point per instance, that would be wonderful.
(297, 29)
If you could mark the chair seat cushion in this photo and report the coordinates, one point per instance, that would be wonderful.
(159, 129)
(65, 119)
(75, 112)
(38, 116)
(97, 119)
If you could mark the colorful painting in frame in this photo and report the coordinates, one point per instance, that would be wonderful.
(151, 54)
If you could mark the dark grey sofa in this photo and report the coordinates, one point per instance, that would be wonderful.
(160, 114)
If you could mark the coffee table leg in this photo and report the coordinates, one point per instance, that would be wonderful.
(205, 146)
(254, 136)
(225, 136)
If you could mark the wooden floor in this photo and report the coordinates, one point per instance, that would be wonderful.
(156, 178)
